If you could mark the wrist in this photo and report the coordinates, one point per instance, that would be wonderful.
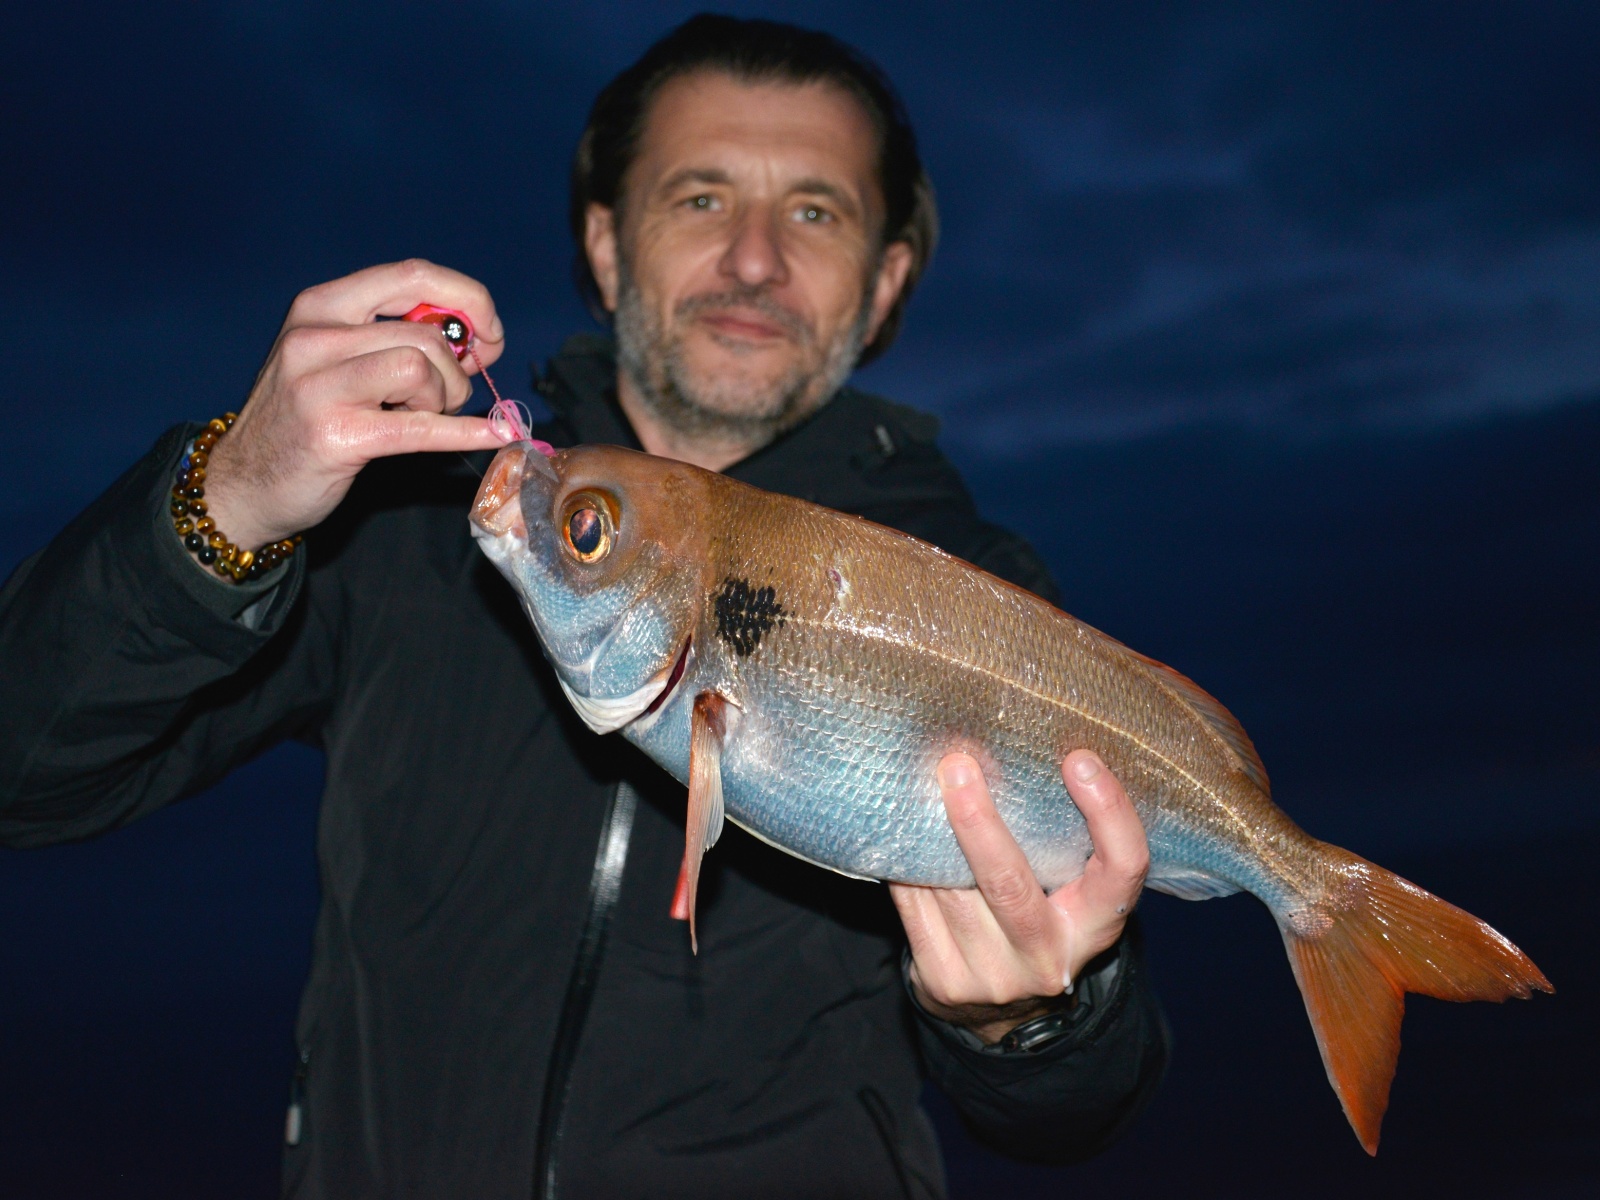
(989, 1023)
(197, 527)
(235, 504)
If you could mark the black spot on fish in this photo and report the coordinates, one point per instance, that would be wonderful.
(745, 614)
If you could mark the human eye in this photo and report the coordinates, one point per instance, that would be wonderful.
(702, 202)
(812, 214)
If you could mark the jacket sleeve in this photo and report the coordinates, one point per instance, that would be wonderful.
(131, 676)
(1070, 1097)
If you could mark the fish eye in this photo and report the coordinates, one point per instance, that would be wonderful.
(587, 533)
(588, 529)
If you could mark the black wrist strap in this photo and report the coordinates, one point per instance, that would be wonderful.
(1040, 1032)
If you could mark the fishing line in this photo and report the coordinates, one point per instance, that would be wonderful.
(509, 420)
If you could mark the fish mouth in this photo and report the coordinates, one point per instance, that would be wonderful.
(672, 680)
(497, 509)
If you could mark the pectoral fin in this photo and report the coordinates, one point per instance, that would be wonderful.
(706, 729)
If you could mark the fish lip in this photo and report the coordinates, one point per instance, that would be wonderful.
(675, 677)
(497, 508)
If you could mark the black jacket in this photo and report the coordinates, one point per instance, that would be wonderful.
(447, 1036)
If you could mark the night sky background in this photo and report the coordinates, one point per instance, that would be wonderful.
(1276, 327)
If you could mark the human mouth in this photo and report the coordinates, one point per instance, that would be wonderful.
(742, 325)
(744, 315)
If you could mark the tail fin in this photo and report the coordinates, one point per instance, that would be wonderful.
(1358, 952)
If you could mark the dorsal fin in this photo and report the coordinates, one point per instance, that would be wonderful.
(1219, 718)
(1223, 722)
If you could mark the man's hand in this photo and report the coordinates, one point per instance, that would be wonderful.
(340, 389)
(994, 957)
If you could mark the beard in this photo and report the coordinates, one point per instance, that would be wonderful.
(721, 408)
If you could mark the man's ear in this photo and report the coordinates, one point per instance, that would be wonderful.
(600, 244)
(891, 281)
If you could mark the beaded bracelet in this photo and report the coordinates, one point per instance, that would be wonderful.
(199, 532)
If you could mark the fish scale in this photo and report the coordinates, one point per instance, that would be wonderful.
(923, 684)
(803, 672)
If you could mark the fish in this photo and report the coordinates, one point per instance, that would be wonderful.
(803, 670)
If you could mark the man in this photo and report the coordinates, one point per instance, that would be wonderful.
(499, 1004)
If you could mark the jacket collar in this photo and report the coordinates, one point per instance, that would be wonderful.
(842, 456)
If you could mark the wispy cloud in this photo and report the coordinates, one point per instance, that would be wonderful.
(1309, 343)
(1281, 229)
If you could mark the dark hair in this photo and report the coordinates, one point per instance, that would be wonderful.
(756, 51)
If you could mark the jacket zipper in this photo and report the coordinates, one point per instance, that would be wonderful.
(604, 886)
(294, 1120)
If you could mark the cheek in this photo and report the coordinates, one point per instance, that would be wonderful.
(668, 262)
(831, 281)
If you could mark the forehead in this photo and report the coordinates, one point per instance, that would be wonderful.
(712, 119)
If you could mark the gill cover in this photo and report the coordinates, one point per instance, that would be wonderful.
(580, 539)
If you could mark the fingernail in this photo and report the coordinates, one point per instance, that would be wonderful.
(956, 774)
(1086, 768)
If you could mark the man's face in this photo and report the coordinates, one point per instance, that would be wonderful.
(744, 266)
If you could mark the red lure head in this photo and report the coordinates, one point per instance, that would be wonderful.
(454, 325)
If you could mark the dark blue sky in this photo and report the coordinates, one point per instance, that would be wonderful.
(1275, 326)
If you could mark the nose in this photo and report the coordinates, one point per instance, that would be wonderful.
(755, 255)
(498, 507)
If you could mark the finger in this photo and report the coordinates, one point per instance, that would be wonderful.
(1116, 870)
(387, 433)
(988, 966)
(1001, 870)
(394, 289)
(309, 349)
(926, 931)
(943, 971)
(398, 377)
(972, 924)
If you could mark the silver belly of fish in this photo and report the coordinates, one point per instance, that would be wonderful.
(848, 782)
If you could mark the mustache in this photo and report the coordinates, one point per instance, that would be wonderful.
(758, 299)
